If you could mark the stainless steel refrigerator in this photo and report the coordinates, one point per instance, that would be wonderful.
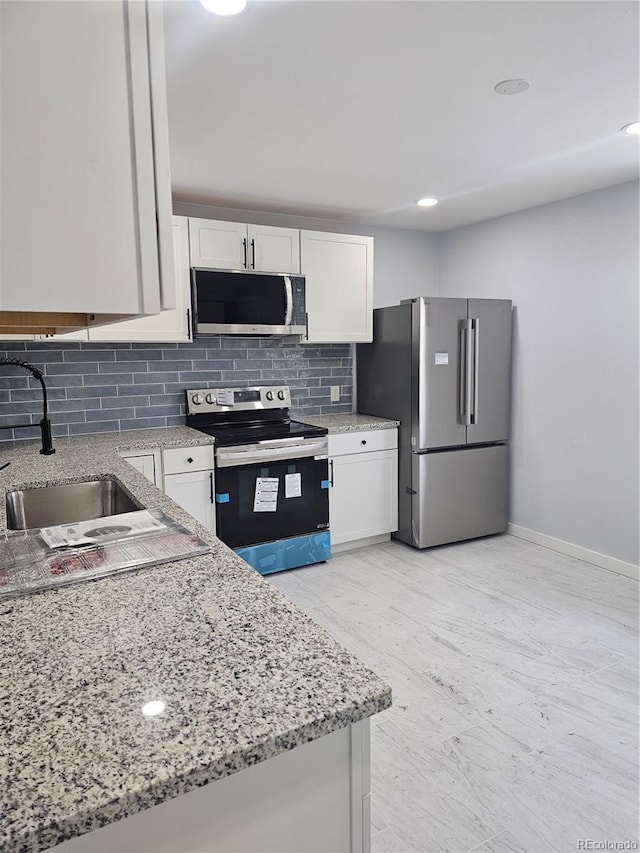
(442, 367)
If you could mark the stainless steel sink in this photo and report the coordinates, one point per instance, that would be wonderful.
(49, 505)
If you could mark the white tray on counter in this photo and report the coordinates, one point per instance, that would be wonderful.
(28, 564)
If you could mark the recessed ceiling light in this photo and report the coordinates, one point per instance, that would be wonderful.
(512, 87)
(632, 129)
(427, 202)
(224, 7)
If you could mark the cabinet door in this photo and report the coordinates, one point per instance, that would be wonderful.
(193, 491)
(339, 274)
(145, 463)
(492, 397)
(78, 231)
(363, 500)
(214, 244)
(168, 326)
(273, 249)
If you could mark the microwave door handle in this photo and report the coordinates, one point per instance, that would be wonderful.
(288, 293)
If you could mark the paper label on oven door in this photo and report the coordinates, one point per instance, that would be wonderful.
(265, 498)
(293, 485)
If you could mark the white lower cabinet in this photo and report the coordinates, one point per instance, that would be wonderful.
(147, 463)
(363, 471)
(189, 481)
(193, 491)
(185, 474)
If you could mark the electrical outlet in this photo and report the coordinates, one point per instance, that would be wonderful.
(335, 393)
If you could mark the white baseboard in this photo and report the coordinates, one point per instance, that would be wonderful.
(360, 543)
(611, 564)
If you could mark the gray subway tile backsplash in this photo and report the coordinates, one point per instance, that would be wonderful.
(110, 387)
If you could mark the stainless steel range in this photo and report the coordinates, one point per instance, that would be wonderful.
(272, 477)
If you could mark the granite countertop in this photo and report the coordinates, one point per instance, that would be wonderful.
(349, 423)
(244, 674)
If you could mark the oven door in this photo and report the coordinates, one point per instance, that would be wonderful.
(264, 494)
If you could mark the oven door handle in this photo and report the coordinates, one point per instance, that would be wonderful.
(229, 457)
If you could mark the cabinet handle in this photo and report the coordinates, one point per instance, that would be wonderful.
(253, 254)
(189, 335)
(211, 486)
(244, 250)
(364, 441)
(190, 460)
(331, 473)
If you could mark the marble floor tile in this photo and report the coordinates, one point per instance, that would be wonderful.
(514, 672)
(503, 842)
(386, 841)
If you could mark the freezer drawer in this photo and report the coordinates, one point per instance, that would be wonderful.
(460, 494)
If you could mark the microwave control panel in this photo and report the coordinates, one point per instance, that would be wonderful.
(237, 399)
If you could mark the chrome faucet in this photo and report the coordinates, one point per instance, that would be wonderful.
(45, 424)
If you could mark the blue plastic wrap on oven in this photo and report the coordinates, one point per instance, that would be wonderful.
(269, 557)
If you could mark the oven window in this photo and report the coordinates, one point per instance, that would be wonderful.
(274, 500)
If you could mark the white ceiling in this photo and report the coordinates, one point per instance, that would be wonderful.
(354, 109)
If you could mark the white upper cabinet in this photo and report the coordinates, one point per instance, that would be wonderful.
(215, 244)
(338, 269)
(172, 326)
(273, 249)
(85, 191)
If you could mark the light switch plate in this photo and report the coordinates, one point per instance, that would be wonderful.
(335, 393)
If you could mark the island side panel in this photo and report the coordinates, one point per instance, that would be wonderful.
(311, 799)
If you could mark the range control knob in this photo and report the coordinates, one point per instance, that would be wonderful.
(269, 395)
(197, 399)
(281, 395)
(210, 398)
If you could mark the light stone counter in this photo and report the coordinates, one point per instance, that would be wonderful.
(349, 423)
(244, 674)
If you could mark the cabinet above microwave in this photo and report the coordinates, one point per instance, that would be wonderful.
(215, 244)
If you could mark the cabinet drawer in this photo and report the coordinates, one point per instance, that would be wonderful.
(178, 460)
(363, 441)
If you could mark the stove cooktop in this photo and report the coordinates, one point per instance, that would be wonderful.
(236, 416)
(228, 435)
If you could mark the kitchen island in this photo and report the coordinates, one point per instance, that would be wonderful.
(263, 738)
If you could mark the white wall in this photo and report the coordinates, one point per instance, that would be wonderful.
(571, 268)
(405, 262)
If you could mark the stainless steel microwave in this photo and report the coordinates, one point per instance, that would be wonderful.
(247, 303)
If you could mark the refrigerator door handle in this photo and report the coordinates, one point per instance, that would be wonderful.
(476, 362)
(465, 377)
(422, 374)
